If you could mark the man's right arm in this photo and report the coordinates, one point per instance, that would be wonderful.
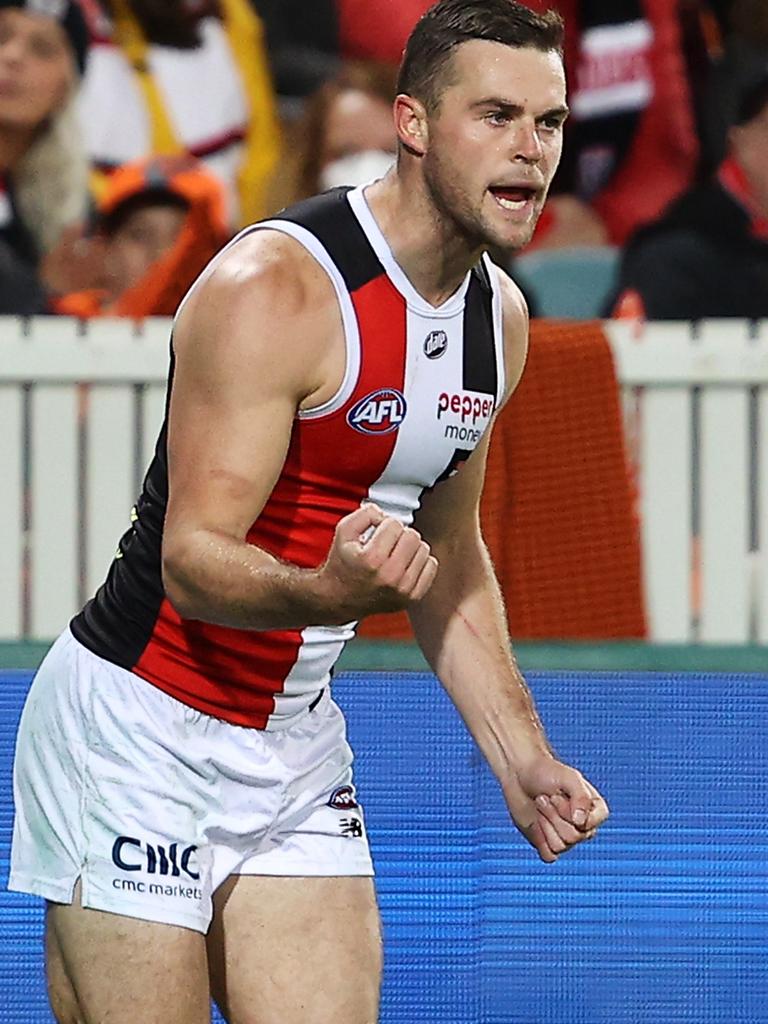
(258, 339)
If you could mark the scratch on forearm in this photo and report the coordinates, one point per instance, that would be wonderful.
(469, 625)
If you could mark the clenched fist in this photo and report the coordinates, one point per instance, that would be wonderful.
(375, 564)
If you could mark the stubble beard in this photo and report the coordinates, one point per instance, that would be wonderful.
(455, 208)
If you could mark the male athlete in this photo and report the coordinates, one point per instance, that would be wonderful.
(183, 782)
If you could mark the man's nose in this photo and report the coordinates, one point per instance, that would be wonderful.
(12, 51)
(527, 144)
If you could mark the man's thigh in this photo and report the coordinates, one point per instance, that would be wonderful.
(296, 950)
(106, 967)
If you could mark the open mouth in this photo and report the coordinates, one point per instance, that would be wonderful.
(513, 197)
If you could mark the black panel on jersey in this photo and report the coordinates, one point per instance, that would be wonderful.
(118, 621)
(480, 371)
(332, 220)
(458, 458)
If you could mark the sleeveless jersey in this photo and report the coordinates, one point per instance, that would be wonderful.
(420, 387)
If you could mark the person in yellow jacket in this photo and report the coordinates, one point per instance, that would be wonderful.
(183, 77)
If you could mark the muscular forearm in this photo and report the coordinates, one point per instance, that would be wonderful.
(215, 577)
(227, 582)
(461, 627)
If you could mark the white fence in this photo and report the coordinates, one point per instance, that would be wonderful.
(80, 411)
(697, 411)
(79, 416)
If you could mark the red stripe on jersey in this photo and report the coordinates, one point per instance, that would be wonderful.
(227, 673)
(207, 147)
(330, 467)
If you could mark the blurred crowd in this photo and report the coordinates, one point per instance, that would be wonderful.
(137, 136)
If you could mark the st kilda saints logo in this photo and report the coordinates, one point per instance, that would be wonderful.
(435, 343)
(380, 412)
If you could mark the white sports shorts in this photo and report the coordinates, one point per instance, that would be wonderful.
(153, 804)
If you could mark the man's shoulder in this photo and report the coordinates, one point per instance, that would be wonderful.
(335, 233)
(513, 304)
(263, 268)
(514, 319)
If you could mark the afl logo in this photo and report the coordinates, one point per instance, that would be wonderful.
(435, 344)
(381, 412)
(343, 798)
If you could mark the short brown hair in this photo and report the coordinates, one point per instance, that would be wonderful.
(449, 23)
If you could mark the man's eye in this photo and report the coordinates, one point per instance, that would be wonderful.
(497, 117)
(550, 124)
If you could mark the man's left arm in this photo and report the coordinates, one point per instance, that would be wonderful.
(461, 627)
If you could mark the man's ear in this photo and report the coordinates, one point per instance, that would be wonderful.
(411, 124)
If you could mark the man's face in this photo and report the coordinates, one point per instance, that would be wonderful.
(36, 68)
(142, 239)
(495, 140)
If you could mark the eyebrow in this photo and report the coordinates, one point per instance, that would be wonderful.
(515, 109)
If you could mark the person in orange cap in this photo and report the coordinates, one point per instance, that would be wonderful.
(159, 222)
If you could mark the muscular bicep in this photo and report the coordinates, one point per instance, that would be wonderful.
(243, 365)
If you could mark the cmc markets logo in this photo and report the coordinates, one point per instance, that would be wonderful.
(130, 854)
(380, 412)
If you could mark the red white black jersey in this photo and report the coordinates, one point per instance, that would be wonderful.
(420, 388)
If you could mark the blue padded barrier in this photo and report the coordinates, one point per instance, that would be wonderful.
(663, 919)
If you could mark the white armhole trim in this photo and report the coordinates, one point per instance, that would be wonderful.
(348, 316)
(498, 329)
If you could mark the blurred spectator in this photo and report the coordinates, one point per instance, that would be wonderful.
(43, 169)
(303, 43)
(308, 39)
(159, 223)
(377, 30)
(630, 144)
(708, 256)
(183, 76)
(742, 62)
(720, 9)
(349, 133)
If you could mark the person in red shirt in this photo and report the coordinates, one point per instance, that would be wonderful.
(631, 144)
(377, 29)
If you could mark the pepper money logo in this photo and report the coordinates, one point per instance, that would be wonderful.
(380, 412)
